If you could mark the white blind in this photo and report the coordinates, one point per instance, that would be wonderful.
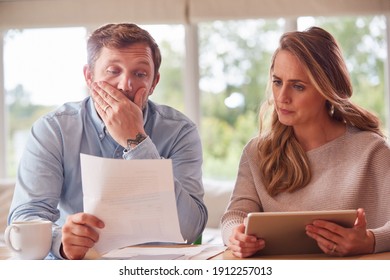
(55, 13)
(208, 10)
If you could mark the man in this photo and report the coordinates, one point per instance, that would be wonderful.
(116, 121)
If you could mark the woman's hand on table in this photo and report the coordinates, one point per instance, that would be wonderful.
(336, 240)
(243, 245)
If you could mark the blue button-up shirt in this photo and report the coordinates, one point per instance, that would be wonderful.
(49, 185)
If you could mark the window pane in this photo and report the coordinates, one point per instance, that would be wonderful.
(42, 69)
(170, 89)
(234, 62)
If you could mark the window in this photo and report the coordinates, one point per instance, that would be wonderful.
(44, 68)
(170, 89)
(234, 62)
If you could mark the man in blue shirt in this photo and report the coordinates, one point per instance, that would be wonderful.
(116, 121)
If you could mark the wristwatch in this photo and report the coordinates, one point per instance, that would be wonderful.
(131, 143)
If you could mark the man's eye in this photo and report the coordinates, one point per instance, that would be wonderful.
(277, 82)
(112, 71)
(140, 74)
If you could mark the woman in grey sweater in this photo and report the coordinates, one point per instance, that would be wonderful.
(319, 152)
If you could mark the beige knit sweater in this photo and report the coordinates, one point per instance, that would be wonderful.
(350, 172)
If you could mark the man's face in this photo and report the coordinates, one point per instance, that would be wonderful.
(127, 70)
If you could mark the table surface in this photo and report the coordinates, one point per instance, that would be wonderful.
(227, 255)
(5, 253)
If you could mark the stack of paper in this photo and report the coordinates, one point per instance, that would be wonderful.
(199, 252)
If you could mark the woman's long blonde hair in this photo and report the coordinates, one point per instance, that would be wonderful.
(284, 165)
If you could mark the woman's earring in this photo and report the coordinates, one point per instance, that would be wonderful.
(331, 111)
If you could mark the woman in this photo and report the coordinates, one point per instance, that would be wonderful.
(320, 152)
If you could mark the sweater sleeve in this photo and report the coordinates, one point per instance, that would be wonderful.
(244, 200)
(382, 238)
(378, 175)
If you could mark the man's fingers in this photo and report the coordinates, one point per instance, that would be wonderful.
(79, 234)
(140, 97)
(107, 91)
(87, 219)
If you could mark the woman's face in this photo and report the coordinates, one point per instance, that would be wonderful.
(297, 101)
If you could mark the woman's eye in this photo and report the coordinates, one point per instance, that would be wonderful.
(299, 87)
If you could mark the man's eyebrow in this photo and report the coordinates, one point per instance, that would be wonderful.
(141, 61)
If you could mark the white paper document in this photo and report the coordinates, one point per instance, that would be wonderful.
(134, 198)
(198, 252)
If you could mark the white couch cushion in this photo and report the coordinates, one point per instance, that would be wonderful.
(216, 198)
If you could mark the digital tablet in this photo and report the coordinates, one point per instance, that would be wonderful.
(284, 232)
